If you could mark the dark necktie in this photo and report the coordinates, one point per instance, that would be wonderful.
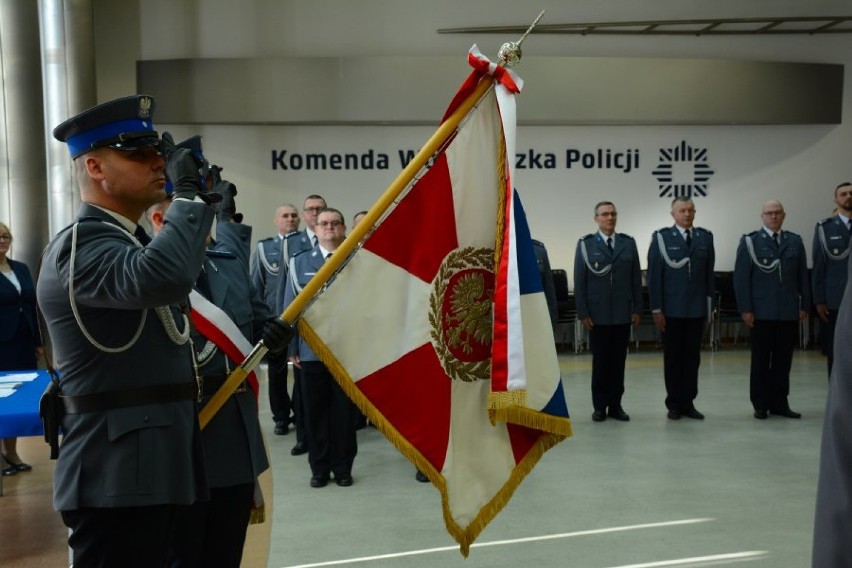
(141, 235)
(609, 243)
(328, 256)
(688, 235)
(777, 238)
(314, 240)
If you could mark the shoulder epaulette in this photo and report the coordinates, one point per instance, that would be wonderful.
(625, 235)
(589, 236)
(536, 242)
(826, 220)
(300, 253)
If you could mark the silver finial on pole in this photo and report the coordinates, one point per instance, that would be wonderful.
(510, 52)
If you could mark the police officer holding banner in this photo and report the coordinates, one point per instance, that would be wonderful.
(680, 284)
(269, 275)
(830, 257)
(773, 295)
(608, 292)
(229, 316)
(131, 451)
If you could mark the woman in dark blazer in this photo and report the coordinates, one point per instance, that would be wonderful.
(20, 343)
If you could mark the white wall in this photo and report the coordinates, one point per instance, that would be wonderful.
(800, 165)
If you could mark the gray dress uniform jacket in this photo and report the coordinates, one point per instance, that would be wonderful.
(830, 257)
(832, 546)
(269, 266)
(771, 280)
(233, 444)
(138, 455)
(607, 285)
(681, 278)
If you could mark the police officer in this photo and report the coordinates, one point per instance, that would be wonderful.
(830, 256)
(680, 283)
(329, 414)
(212, 533)
(131, 452)
(608, 292)
(269, 272)
(772, 289)
(546, 274)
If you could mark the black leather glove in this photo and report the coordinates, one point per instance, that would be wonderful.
(182, 169)
(227, 207)
(277, 335)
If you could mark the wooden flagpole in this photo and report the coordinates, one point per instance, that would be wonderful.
(402, 181)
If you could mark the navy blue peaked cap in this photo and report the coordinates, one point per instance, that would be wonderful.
(193, 144)
(123, 124)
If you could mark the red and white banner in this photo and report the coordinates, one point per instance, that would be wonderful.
(218, 327)
(407, 326)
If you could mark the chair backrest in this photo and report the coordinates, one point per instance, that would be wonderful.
(725, 291)
(565, 305)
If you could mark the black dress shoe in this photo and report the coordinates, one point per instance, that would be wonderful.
(319, 481)
(282, 428)
(598, 416)
(617, 413)
(673, 415)
(343, 480)
(11, 470)
(761, 414)
(421, 477)
(786, 413)
(299, 449)
(693, 413)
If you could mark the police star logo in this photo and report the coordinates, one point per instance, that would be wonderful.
(460, 313)
(683, 171)
(144, 110)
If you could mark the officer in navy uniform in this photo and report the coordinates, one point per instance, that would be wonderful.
(307, 240)
(269, 272)
(830, 257)
(608, 291)
(546, 274)
(329, 414)
(773, 291)
(680, 284)
(212, 533)
(131, 453)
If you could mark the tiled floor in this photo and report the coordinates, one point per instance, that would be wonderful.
(651, 492)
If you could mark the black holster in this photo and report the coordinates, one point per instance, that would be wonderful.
(51, 410)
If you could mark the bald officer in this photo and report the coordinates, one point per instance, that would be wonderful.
(773, 292)
(131, 452)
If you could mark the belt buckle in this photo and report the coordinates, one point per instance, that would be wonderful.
(242, 388)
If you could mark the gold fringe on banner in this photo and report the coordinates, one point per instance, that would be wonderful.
(463, 535)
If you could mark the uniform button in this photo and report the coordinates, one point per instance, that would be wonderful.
(191, 217)
(146, 420)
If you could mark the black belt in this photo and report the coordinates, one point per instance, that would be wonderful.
(155, 394)
(211, 384)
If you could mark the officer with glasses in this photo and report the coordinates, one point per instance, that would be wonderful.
(329, 414)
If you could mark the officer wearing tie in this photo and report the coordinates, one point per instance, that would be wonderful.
(680, 282)
(773, 291)
(608, 292)
(329, 414)
(831, 255)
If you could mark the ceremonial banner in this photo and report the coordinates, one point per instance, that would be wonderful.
(409, 324)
